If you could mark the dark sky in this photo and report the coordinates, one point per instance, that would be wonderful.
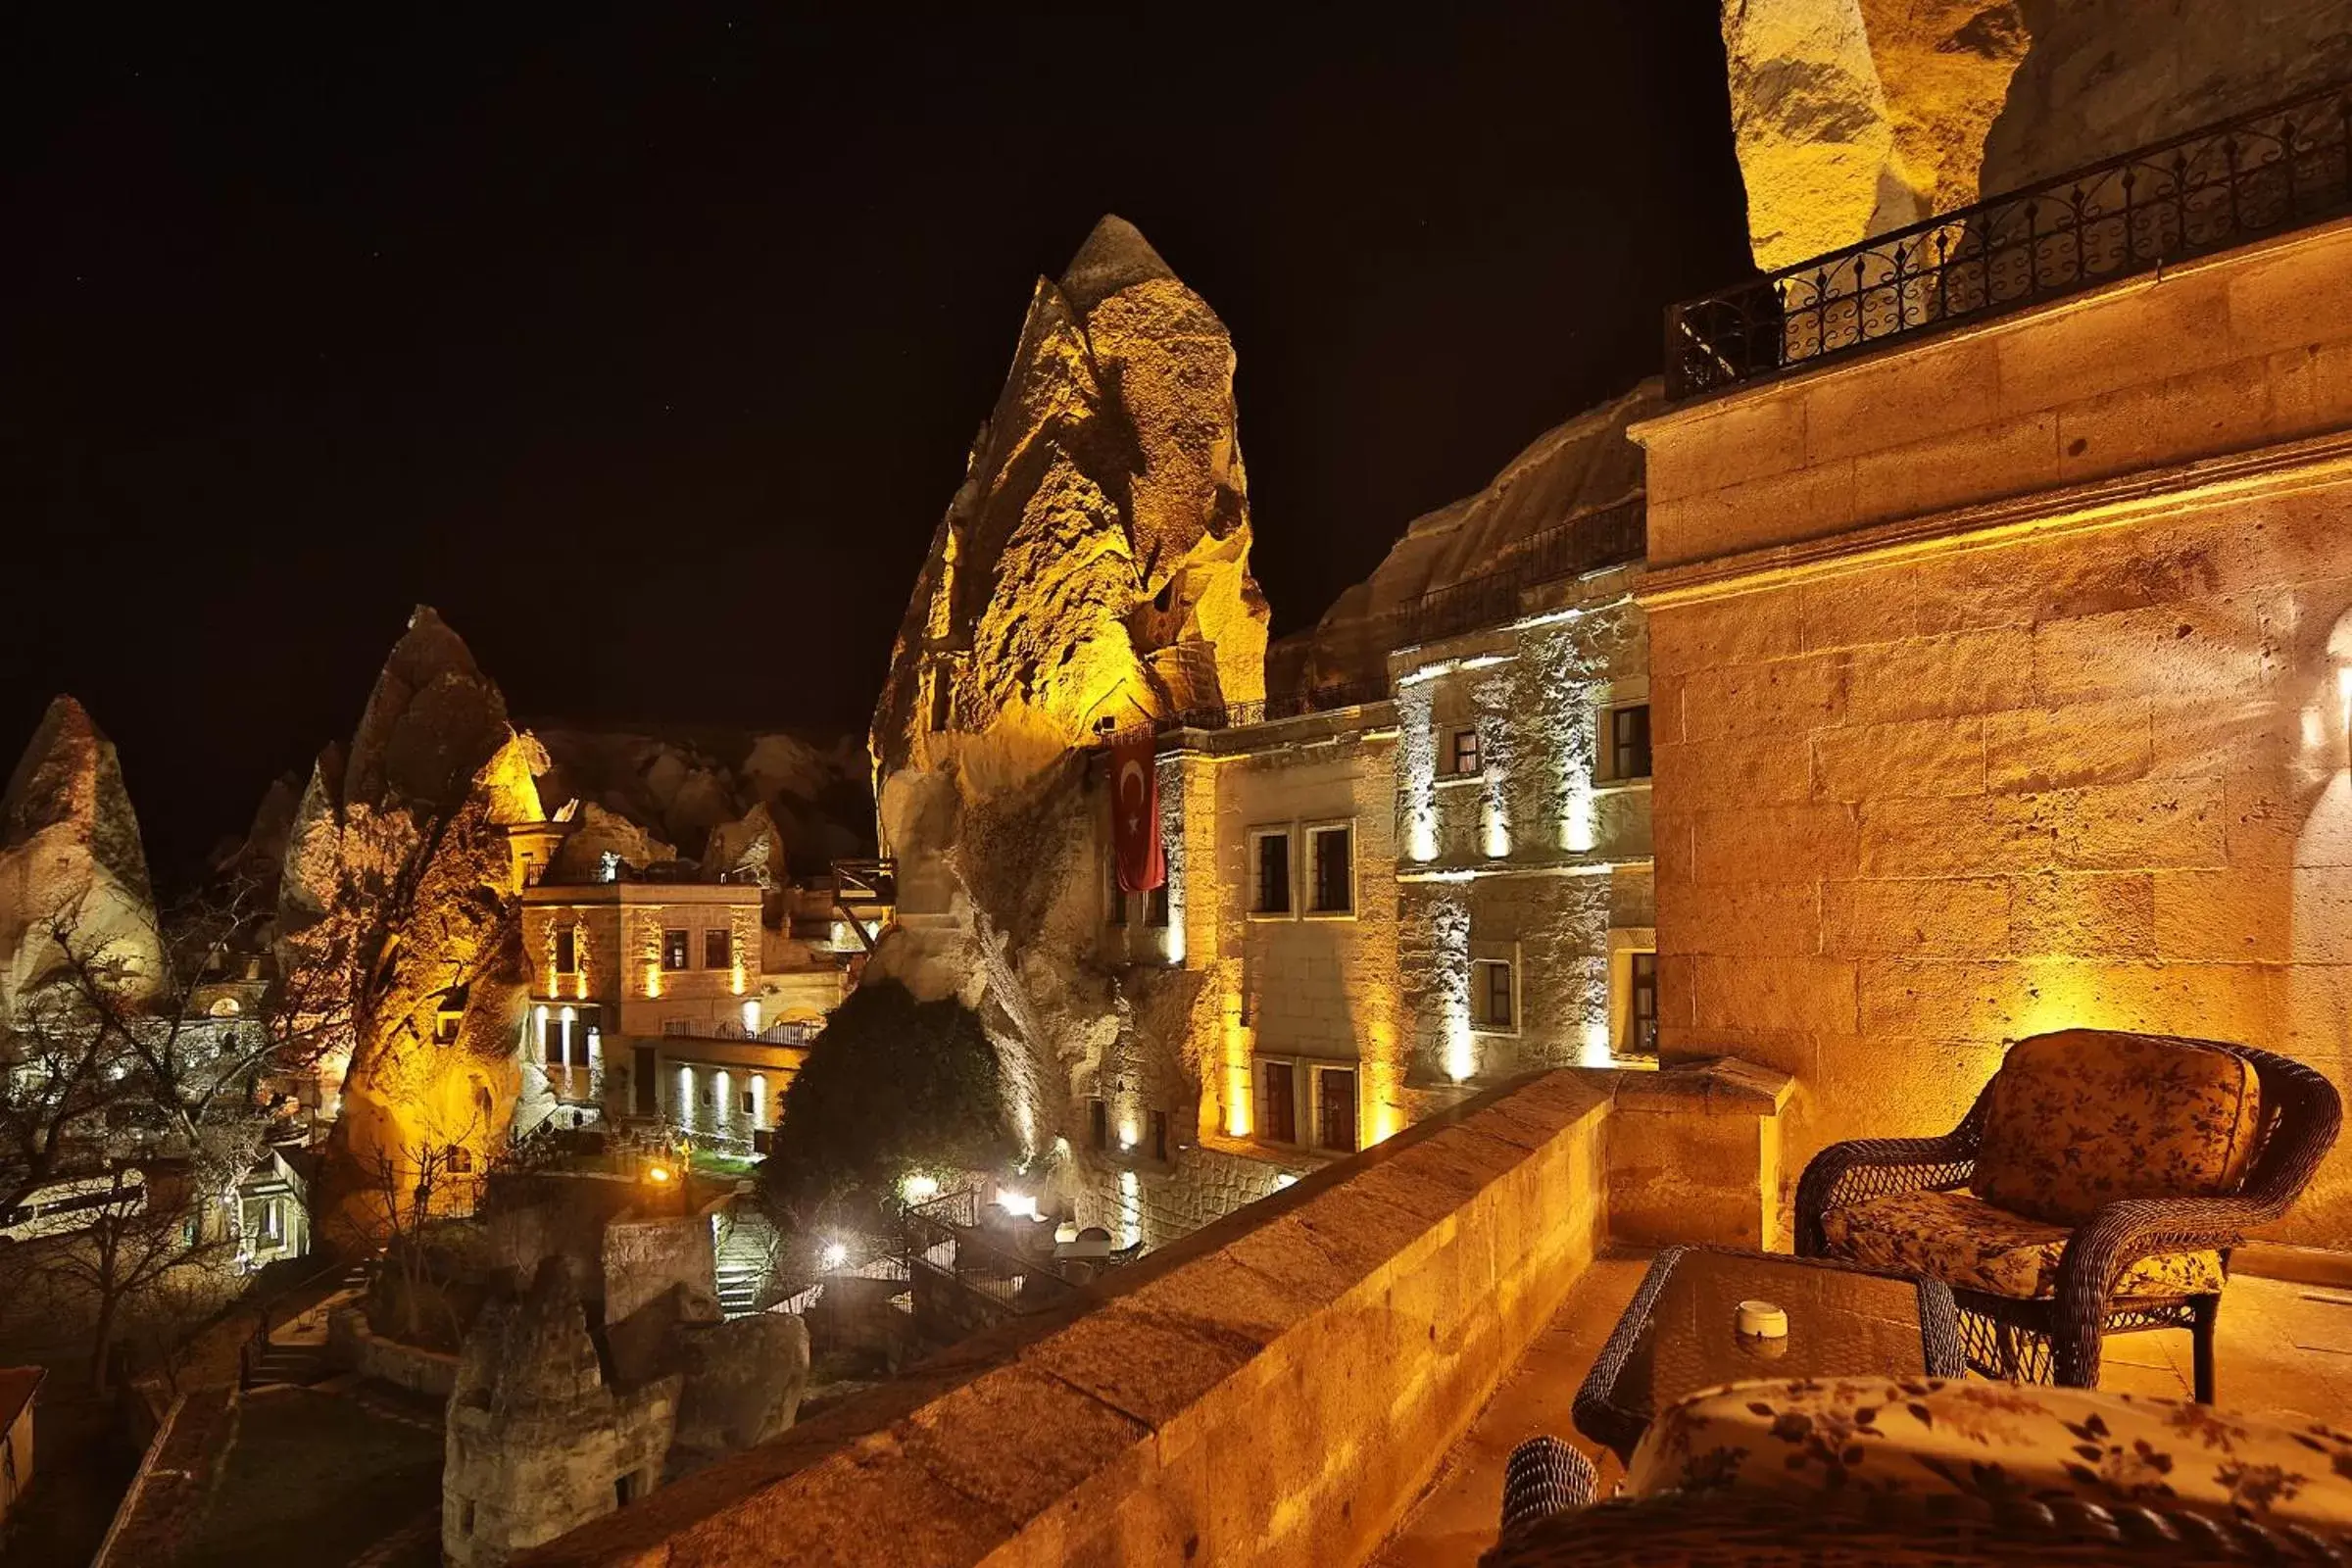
(646, 343)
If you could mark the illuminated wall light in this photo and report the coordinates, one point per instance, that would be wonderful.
(1596, 1052)
(1449, 922)
(750, 1016)
(917, 1187)
(565, 1022)
(596, 1049)
(1128, 1136)
(685, 1106)
(834, 1255)
(1417, 770)
(1496, 830)
(722, 1101)
(1461, 1051)
(1236, 1072)
(1578, 827)
(1018, 1204)
(1131, 1210)
(758, 1099)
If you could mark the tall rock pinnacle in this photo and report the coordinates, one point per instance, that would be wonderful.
(1095, 563)
(70, 853)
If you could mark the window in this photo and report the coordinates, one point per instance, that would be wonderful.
(550, 1039)
(1098, 1124)
(1271, 849)
(718, 949)
(1335, 1108)
(567, 951)
(1118, 895)
(1643, 1016)
(749, 1108)
(1462, 755)
(1277, 1102)
(1492, 1002)
(459, 1159)
(1156, 908)
(941, 695)
(445, 1027)
(1629, 742)
(673, 950)
(1160, 1136)
(1332, 855)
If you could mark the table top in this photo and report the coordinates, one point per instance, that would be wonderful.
(1677, 1336)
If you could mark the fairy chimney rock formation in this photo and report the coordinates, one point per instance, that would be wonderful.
(1855, 116)
(1096, 561)
(69, 853)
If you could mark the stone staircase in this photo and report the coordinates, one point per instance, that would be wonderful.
(746, 1242)
(298, 1363)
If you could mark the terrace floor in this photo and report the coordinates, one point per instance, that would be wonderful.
(2284, 1349)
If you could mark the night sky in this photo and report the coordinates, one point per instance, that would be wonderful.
(647, 343)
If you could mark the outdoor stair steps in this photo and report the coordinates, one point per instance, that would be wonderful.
(741, 1262)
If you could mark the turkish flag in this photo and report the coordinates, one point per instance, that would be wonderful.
(1135, 815)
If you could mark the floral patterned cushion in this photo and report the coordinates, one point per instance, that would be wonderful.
(1972, 1246)
(2086, 1117)
(1995, 1441)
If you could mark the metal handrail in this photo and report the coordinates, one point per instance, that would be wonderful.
(2256, 174)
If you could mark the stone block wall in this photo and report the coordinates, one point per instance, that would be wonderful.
(1161, 1205)
(1537, 856)
(2071, 750)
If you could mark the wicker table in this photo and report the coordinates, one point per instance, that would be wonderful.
(1676, 1337)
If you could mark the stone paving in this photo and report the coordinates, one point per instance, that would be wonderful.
(2284, 1349)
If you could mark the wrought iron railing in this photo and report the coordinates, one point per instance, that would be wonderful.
(775, 1034)
(2272, 169)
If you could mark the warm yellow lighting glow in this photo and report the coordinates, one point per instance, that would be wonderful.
(1578, 830)
(918, 1189)
(1461, 1055)
(1283, 1179)
(1018, 1204)
(1128, 1136)
(1131, 1210)
(738, 982)
(657, 1173)
(652, 979)
(750, 1016)
(1236, 1072)
(1596, 1052)
(1496, 835)
(834, 1255)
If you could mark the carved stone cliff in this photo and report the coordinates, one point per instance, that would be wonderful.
(398, 920)
(1856, 117)
(70, 858)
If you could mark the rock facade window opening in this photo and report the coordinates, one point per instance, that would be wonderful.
(1270, 859)
(1494, 997)
(1335, 1109)
(717, 948)
(1641, 1017)
(1461, 756)
(675, 952)
(1332, 858)
(1098, 1124)
(1629, 742)
(568, 949)
(1277, 1102)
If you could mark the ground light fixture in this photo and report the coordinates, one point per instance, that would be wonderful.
(834, 1255)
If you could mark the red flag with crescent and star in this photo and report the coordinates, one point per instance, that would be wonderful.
(1135, 815)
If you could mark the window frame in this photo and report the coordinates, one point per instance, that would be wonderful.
(1634, 989)
(724, 937)
(1310, 832)
(1482, 1020)
(677, 939)
(1286, 832)
(1318, 1072)
(1454, 735)
(1614, 747)
(568, 948)
(1259, 1098)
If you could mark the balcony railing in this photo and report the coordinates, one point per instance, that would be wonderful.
(2263, 172)
(775, 1034)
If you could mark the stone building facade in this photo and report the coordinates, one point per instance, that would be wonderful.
(661, 1000)
(2000, 683)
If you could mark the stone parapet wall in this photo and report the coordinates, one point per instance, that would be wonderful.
(1276, 1389)
(356, 1347)
(2227, 354)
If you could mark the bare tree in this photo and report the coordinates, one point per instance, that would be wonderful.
(413, 1187)
(111, 1074)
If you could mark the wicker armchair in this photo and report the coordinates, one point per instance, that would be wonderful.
(2103, 1281)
